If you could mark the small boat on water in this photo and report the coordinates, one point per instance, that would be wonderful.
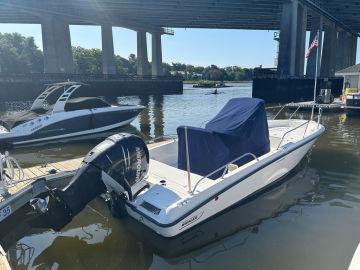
(210, 85)
(215, 92)
(66, 117)
(185, 181)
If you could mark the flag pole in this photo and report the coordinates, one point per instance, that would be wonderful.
(316, 74)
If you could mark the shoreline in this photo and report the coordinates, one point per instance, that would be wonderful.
(194, 82)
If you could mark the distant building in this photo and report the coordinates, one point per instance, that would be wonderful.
(351, 77)
(178, 73)
(197, 76)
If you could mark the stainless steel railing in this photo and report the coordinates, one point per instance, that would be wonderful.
(278, 113)
(225, 168)
(292, 115)
(291, 130)
(282, 108)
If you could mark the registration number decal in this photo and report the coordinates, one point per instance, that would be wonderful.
(5, 212)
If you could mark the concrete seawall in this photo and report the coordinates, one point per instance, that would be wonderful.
(12, 90)
(292, 89)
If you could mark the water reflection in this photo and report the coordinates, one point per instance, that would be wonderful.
(158, 116)
(144, 117)
(154, 111)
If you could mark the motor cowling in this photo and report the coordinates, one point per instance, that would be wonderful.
(119, 166)
(124, 166)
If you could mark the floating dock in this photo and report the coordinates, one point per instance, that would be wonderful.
(37, 179)
(336, 106)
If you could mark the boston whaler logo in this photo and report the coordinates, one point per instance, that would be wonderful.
(191, 220)
(138, 164)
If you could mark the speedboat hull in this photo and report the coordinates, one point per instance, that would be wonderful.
(70, 124)
(155, 188)
(239, 188)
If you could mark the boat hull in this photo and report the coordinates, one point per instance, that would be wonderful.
(66, 125)
(240, 190)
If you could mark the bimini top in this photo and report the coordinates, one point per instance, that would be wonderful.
(240, 127)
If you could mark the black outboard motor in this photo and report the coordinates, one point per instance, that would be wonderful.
(118, 166)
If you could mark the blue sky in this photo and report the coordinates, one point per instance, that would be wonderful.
(245, 48)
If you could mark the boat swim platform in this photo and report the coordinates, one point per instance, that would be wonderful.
(336, 107)
(38, 178)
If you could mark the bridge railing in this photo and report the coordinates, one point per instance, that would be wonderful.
(52, 77)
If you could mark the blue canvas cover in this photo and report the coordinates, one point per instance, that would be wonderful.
(240, 127)
(206, 150)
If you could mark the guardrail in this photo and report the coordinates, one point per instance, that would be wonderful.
(50, 77)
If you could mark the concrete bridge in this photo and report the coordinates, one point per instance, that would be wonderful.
(340, 22)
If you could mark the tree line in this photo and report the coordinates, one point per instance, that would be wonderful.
(19, 54)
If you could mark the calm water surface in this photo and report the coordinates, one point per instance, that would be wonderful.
(312, 221)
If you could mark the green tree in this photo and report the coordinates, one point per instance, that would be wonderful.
(87, 61)
(19, 54)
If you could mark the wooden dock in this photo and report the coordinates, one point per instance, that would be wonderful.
(37, 178)
(4, 264)
(52, 175)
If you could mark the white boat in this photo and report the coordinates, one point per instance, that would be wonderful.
(355, 261)
(184, 182)
(66, 117)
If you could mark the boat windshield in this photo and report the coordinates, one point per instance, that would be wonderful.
(85, 103)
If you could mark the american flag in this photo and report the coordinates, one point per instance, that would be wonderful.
(313, 45)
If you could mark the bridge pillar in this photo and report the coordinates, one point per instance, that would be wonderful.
(353, 49)
(292, 39)
(56, 45)
(328, 61)
(341, 50)
(142, 56)
(156, 64)
(316, 26)
(346, 50)
(108, 58)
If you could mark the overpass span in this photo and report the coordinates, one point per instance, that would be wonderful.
(340, 22)
(152, 14)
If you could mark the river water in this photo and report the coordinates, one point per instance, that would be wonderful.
(312, 221)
